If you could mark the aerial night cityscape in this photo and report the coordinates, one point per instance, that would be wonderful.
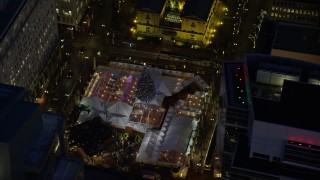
(159, 89)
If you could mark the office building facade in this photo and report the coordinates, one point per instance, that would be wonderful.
(297, 11)
(29, 40)
(70, 12)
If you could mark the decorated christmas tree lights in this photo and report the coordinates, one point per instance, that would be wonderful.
(145, 87)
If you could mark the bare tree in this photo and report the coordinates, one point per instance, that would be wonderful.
(253, 36)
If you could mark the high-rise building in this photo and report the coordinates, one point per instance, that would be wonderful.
(234, 112)
(70, 12)
(289, 40)
(186, 22)
(28, 44)
(297, 11)
(30, 141)
(282, 139)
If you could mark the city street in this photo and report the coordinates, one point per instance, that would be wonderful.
(249, 18)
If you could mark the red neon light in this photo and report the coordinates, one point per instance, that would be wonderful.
(302, 140)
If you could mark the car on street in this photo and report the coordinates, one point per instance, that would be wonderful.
(92, 32)
(82, 50)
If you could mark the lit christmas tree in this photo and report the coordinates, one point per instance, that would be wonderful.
(145, 87)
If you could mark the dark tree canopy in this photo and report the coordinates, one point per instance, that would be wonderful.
(145, 87)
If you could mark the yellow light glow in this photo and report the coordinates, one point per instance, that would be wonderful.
(181, 6)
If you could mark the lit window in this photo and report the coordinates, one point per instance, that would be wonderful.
(57, 10)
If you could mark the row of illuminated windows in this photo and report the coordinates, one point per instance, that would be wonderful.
(296, 11)
(287, 16)
(18, 64)
(66, 13)
(285, 4)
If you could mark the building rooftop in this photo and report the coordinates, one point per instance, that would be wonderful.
(266, 36)
(13, 110)
(270, 170)
(67, 169)
(297, 38)
(154, 6)
(297, 107)
(289, 37)
(235, 84)
(9, 95)
(8, 15)
(51, 125)
(16, 119)
(254, 62)
(196, 9)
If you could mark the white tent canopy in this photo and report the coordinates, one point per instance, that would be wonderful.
(93, 102)
(83, 117)
(119, 121)
(201, 82)
(120, 108)
(164, 85)
(178, 134)
(138, 126)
